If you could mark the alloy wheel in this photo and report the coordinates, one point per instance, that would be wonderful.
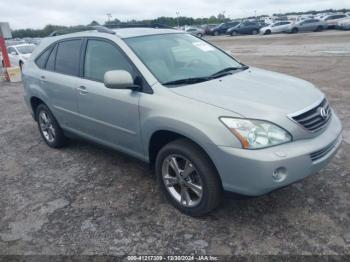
(46, 126)
(182, 180)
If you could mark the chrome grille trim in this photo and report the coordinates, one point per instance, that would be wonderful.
(310, 118)
(323, 152)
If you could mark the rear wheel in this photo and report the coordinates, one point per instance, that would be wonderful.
(233, 33)
(49, 127)
(216, 33)
(188, 178)
(268, 32)
(254, 32)
(295, 30)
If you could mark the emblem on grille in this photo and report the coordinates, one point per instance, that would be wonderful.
(324, 113)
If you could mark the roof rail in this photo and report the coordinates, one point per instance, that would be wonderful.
(103, 29)
(137, 25)
(98, 28)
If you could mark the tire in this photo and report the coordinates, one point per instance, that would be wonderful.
(50, 130)
(199, 35)
(20, 65)
(295, 30)
(203, 174)
(216, 33)
(267, 32)
(319, 28)
(254, 32)
(233, 33)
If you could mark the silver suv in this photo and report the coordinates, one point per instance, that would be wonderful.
(205, 122)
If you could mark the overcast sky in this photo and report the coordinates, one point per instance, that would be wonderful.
(38, 13)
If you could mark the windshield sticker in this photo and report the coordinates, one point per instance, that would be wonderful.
(203, 46)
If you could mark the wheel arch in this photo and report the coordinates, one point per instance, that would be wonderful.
(34, 103)
(159, 138)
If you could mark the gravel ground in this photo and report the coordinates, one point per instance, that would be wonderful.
(85, 199)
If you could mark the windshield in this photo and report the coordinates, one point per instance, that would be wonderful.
(172, 57)
(26, 49)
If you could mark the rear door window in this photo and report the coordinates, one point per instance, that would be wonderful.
(67, 57)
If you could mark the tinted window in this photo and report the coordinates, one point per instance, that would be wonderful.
(41, 60)
(50, 65)
(11, 50)
(307, 21)
(101, 57)
(67, 58)
(284, 23)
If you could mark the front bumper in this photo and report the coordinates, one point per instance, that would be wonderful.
(250, 172)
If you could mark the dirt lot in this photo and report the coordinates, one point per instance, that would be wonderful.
(85, 199)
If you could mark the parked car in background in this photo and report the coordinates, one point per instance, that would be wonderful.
(207, 28)
(247, 27)
(278, 27)
(222, 28)
(308, 25)
(195, 31)
(344, 24)
(19, 54)
(332, 20)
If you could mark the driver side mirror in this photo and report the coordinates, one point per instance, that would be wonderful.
(119, 79)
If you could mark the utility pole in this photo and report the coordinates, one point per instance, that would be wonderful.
(178, 21)
(109, 17)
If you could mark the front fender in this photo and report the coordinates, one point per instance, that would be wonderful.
(150, 126)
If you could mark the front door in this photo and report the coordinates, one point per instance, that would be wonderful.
(110, 116)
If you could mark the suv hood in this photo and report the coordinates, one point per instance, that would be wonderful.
(254, 93)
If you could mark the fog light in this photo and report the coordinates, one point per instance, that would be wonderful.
(279, 174)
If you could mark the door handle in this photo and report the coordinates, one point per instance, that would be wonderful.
(43, 79)
(82, 90)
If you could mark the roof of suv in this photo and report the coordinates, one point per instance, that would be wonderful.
(141, 31)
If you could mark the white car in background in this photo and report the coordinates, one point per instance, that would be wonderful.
(19, 54)
(332, 20)
(344, 24)
(195, 31)
(278, 27)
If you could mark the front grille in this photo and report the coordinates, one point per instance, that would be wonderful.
(322, 152)
(315, 118)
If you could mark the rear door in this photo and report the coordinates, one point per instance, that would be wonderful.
(59, 81)
(110, 116)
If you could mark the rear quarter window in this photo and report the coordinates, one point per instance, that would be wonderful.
(42, 58)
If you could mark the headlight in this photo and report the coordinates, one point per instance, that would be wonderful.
(255, 134)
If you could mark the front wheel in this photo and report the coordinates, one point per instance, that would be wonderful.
(319, 28)
(254, 32)
(49, 127)
(233, 33)
(188, 178)
(216, 33)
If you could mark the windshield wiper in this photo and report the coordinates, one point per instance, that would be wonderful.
(192, 80)
(227, 71)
